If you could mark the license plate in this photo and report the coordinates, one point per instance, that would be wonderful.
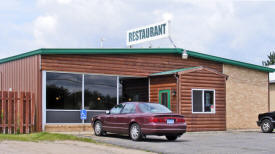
(170, 121)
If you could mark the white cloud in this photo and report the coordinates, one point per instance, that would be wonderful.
(44, 28)
(64, 1)
(44, 2)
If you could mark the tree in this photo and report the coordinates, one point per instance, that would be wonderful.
(271, 59)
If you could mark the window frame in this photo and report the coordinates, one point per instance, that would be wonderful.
(81, 82)
(168, 91)
(203, 109)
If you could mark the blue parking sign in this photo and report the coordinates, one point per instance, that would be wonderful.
(83, 114)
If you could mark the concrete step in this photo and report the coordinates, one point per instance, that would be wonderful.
(69, 128)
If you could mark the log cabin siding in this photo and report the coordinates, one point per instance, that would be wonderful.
(122, 64)
(203, 79)
(146, 64)
(162, 83)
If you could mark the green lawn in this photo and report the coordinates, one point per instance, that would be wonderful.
(35, 137)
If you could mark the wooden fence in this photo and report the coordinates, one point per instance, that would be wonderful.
(17, 112)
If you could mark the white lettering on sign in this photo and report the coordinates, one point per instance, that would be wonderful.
(148, 33)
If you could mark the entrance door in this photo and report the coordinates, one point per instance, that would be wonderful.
(164, 98)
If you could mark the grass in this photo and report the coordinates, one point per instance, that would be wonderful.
(43, 136)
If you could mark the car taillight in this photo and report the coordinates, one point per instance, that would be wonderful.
(180, 120)
(155, 119)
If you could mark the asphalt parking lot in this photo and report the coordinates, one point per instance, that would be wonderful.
(201, 142)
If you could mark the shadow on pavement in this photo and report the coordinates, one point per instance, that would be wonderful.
(148, 139)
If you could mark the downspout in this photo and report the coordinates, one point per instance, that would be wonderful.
(149, 90)
(268, 94)
(177, 92)
(1, 82)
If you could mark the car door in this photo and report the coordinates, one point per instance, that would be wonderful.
(127, 114)
(111, 123)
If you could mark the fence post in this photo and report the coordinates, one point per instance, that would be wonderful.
(1, 111)
(15, 99)
(4, 101)
(21, 111)
(27, 112)
(32, 111)
(10, 95)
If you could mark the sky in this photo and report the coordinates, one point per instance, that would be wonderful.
(239, 30)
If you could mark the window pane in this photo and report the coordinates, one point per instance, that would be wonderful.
(129, 108)
(63, 91)
(100, 92)
(197, 101)
(63, 117)
(116, 109)
(133, 89)
(208, 101)
(153, 108)
(164, 99)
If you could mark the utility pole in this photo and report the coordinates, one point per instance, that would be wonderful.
(101, 42)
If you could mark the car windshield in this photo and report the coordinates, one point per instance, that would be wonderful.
(153, 108)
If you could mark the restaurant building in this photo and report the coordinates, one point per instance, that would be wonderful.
(213, 93)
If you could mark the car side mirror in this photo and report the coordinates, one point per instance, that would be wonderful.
(107, 112)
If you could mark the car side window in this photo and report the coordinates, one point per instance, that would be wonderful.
(116, 109)
(129, 108)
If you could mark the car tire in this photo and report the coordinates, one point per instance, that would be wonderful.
(266, 126)
(98, 128)
(135, 132)
(171, 137)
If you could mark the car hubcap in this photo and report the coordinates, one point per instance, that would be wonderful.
(266, 126)
(134, 132)
(97, 128)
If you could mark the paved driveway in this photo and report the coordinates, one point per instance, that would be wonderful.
(62, 147)
(202, 142)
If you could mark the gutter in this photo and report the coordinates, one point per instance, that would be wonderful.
(177, 92)
(268, 103)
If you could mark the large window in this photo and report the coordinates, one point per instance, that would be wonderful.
(133, 89)
(64, 91)
(68, 93)
(100, 92)
(203, 101)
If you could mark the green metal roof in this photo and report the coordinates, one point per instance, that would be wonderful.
(173, 71)
(45, 51)
(229, 61)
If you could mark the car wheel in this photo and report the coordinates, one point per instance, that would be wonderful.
(266, 126)
(135, 132)
(171, 137)
(98, 128)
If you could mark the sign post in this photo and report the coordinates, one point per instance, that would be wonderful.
(148, 33)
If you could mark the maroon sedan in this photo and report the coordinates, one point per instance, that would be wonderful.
(139, 119)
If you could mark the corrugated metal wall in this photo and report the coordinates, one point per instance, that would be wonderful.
(24, 75)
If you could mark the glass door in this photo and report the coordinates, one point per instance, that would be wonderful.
(164, 97)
